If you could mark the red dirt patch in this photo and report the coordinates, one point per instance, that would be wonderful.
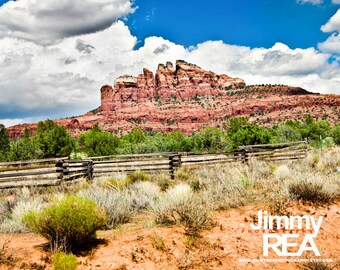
(142, 245)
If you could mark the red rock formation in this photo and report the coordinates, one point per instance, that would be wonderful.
(187, 98)
(184, 82)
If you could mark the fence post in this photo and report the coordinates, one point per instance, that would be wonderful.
(244, 155)
(171, 166)
(59, 169)
(89, 170)
(175, 161)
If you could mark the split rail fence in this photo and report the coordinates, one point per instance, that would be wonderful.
(54, 172)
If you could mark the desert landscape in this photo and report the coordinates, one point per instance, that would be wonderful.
(199, 220)
(171, 135)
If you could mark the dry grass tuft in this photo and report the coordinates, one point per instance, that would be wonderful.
(181, 205)
(314, 188)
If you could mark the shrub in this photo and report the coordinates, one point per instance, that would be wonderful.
(62, 261)
(227, 185)
(278, 202)
(13, 222)
(144, 195)
(3, 210)
(164, 208)
(116, 203)
(98, 143)
(181, 205)
(313, 188)
(184, 174)
(158, 242)
(135, 136)
(336, 134)
(285, 133)
(282, 172)
(137, 176)
(69, 222)
(163, 180)
(313, 160)
(176, 141)
(121, 204)
(25, 149)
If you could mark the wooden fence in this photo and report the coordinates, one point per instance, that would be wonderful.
(54, 172)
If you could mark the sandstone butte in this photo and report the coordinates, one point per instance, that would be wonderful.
(187, 98)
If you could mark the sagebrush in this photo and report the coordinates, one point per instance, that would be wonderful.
(69, 222)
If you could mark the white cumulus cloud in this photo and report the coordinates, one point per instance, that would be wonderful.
(332, 44)
(333, 24)
(48, 21)
(307, 68)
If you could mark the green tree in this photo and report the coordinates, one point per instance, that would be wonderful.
(98, 143)
(250, 135)
(25, 149)
(54, 140)
(4, 143)
(210, 138)
(176, 141)
(285, 133)
(135, 136)
(234, 124)
(335, 133)
(313, 130)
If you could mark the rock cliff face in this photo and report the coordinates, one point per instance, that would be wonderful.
(183, 82)
(187, 98)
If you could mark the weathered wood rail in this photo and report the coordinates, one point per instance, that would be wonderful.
(54, 172)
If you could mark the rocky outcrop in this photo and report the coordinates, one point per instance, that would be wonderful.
(183, 82)
(187, 98)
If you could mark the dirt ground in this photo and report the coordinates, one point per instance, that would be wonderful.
(143, 245)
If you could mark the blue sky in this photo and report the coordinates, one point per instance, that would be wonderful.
(242, 22)
(55, 55)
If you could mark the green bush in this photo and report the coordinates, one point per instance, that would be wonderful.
(135, 136)
(25, 149)
(285, 133)
(335, 133)
(69, 222)
(236, 123)
(210, 138)
(62, 261)
(4, 142)
(176, 141)
(250, 135)
(54, 140)
(98, 143)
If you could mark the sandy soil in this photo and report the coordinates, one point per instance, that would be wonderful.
(142, 245)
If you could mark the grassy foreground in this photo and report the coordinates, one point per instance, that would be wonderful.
(191, 201)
